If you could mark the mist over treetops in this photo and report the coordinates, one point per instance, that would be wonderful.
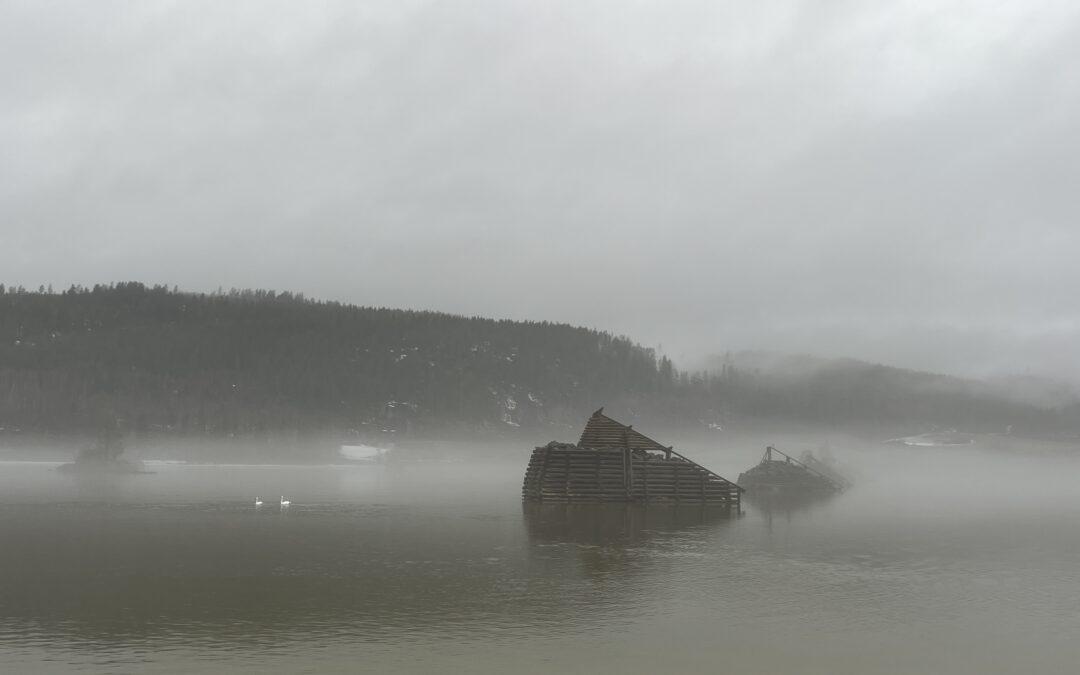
(243, 362)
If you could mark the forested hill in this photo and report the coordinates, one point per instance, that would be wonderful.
(243, 362)
(847, 391)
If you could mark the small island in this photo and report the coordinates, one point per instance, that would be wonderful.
(105, 456)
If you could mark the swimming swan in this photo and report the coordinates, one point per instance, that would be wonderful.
(285, 502)
(258, 502)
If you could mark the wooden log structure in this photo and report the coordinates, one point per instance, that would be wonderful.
(614, 463)
(779, 471)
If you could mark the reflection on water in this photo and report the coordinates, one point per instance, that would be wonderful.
(616, 524)
(618, 540)
(786, 502)
(441, 568)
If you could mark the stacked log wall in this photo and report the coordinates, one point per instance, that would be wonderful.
(571, 474)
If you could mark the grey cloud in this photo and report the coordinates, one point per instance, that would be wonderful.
(886, 182)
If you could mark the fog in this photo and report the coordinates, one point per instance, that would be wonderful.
(889, 183)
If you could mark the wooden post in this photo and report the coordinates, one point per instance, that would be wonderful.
(543, 470)
(566, 476)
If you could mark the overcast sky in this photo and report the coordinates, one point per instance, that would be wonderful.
(892, 181)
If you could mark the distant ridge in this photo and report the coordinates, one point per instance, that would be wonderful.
(801, 386)
(1029, 389)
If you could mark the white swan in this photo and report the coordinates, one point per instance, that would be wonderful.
(258, 502)
(285, 502)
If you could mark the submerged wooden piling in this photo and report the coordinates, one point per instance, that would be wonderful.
(614, 463)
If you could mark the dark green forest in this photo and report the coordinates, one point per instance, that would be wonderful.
(248, 362)
(242, 362)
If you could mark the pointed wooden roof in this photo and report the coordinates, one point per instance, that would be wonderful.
(603, 432)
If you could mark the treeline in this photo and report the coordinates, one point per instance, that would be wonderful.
(246, 362)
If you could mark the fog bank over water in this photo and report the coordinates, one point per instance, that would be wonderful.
(966, 552)
(890, 183)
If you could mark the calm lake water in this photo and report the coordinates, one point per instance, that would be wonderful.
(938, 561)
